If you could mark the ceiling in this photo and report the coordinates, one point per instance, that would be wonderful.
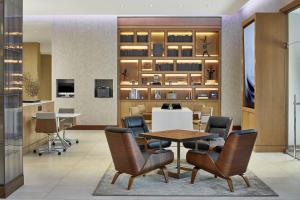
(38, 14)
(132, 7)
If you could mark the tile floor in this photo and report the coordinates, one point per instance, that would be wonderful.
(75, 174)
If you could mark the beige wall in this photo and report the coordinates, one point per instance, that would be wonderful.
(84, 48)
(31, 62)
(45, 77)
(39, 67)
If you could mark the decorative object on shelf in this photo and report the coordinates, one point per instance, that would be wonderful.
(142, 38)
(189, 96)
(132, 82)
(32, 88)
(134, 94)
(157, 94)
(125, 74)
(213, 95)
(180, 38)
(202, 96)
(156, 80)
(211, 72)
(164, 67)
(172, 52)
(205, 45)
(171, 95)
(187, 52)
(103, 88)
(158, 49)
(126, 38)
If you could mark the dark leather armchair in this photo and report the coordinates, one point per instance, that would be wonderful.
(233, 159)
(216, 124)
(128, 158)
(137, 125)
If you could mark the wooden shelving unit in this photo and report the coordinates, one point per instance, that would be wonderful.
(158, 64)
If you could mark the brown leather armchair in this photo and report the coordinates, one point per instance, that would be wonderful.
(128, 158)
(233, 159)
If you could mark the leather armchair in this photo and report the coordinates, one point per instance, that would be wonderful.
(233, 159)
(137, 125)
(218, 125)
(128, 158)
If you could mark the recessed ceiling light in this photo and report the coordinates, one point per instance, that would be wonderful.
(151, 5)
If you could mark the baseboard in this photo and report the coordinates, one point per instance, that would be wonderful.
(89, 127)
(34, 145)
(9, 188)
(269, 148)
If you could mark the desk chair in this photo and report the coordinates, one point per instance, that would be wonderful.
(68, 123)
(46, 123)
(203, 116)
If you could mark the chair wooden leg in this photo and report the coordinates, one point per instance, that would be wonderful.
(130, 181)
(230, 185)
(165, 174)
(194, 173)
(245, 179)
(115, 177)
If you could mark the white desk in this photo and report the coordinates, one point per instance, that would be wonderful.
(172, 119)
(64, 115)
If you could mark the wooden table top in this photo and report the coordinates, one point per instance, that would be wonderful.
(178, 135)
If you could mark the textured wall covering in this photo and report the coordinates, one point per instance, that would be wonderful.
(231, 67)
(84, 48)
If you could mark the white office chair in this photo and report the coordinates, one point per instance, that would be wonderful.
(46, 123)
(68, 123)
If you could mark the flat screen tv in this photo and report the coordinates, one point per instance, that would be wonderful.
(249, 65)
(65, 87)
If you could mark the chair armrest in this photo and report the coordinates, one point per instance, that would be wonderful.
(142, 141)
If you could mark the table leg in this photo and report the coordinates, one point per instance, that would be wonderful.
(178, 159)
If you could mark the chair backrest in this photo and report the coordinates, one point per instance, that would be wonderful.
(127, 156)
(67, 110)
(142, 108)
(235, 156)
(134, 111)
(46, 122)
(136, 124)
(220, 125)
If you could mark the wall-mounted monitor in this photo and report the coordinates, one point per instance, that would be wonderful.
(249, 65)
(65, 88)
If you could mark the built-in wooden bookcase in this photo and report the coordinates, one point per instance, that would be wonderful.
(169, 60)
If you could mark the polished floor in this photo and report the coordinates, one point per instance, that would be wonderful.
(74, 175)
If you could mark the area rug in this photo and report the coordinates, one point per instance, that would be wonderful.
(205, 185)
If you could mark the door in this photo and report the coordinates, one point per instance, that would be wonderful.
(293, 148)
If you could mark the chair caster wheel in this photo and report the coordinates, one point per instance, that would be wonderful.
(77, 141)
(34, 151)
(59, 153)
(40, 154)
(70, 143)
(53, 143)
(64, 150)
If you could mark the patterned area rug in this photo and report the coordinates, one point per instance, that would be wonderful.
(205, 185)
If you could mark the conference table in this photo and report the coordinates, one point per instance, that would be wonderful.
(178, 136)
(165, 119)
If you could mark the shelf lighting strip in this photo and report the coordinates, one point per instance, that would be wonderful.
(164, 61)
(151, 75)
(206, 89)
(176, 75)
(134, 47)
(139, 89)
(205, 33)
(189, 61)
(129, 61)
(170, 89)
(180, 33)
(211, 61)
